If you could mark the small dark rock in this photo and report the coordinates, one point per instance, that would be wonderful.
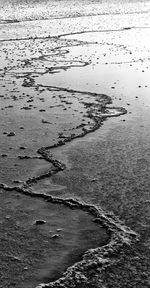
(39, 222)
(42, 110)
(93, 180)
(4, 155)
(22, 148)
(55, 236)
(26, 108)
(11, 134)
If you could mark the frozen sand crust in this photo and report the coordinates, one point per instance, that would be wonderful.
(82, 278)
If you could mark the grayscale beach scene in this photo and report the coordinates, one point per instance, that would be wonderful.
(74, 143)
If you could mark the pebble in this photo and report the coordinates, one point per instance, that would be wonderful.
(59, 229)
(4, 155)
(42, 110)
(55, 236)
(39, 222)
(11, 134)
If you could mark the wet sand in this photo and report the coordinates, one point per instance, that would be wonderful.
(74, 144)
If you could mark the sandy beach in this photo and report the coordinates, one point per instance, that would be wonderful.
(74, 144)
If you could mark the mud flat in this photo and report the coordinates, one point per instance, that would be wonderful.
(74, 140)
